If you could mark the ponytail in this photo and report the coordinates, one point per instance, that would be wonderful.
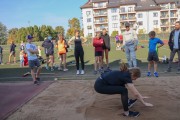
(123, 67)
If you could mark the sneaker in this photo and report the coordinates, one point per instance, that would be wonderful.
(108, 69)
(52, 69)
(132, 114)
(77, 73)
(148, 74)
(82, 72)
(95, 72)
(101, 71)
(60, 69)
(65, 70)
(36, 82)
(38, 79)
(168, 70)
(156, 74)
(47, 68)
(131, 102)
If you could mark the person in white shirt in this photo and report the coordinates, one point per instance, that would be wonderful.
(130, 41)
(32, 52)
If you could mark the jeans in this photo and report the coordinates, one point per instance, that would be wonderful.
(101, 87)
(131, 55)
(172, 54)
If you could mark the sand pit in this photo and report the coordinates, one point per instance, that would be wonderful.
(77, 100)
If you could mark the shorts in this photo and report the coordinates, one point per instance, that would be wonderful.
(153, 56)
(121, 41)
(47, 55)
(12, 53)
(104, 48)
(34, 63)
(118, 41)
(98, 53)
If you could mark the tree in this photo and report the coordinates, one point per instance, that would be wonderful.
(157, 30)
(36, 35)
(141, 31)
(12, 35)
(60, 30)
(114, 33)
(3, 34)
(74, 24)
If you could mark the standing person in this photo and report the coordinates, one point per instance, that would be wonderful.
(62, 50)
(152, 54)
(21, 58)
(32, 52)
(121, 40)
(117, 41)
(1, 55)
(78, 51)
(119, 82)
(174, 45)
(12, 52)
(49, 51)
(22, 46)
(130, 42)
(106, 47)
(98, 43)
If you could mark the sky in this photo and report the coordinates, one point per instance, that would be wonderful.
(23, 13)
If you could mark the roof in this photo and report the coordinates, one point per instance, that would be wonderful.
(87, 5)
(146, 5)
(164, 1)
(96, 1)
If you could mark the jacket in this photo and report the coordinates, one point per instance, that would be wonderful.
(106, 39)
(98, 44)
(171, 40)
(48, 47)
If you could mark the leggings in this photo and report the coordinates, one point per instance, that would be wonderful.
(103, 88)
(79, 54)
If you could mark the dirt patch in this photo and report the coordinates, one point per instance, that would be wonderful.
(77, 100)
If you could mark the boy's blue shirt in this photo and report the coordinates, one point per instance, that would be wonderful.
(153, 43)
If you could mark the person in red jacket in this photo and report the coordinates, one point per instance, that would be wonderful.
(98, 44)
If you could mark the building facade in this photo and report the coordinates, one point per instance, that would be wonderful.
(143, 15)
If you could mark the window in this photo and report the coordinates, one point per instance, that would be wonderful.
(100, 5)
(130, 9)
(90, 34)
(88, 13)
(114, 18)
(140, 23)
(114, 25)
(123, 9)
(155, 22)
(89, 20)
(155, 14)
(140, 15)
(89, 27)
(101, 19)
(114, 10)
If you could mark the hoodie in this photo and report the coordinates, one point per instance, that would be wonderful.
(48, 47)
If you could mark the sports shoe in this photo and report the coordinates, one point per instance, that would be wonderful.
(82, 72)
(60, 69)
(38, 79)
(36, 82)
(47, 68)
(156, 74)
(65, 70)
(148, 74)
(131, 102)
(101, 71)
(95, 72)
(52, 69)
(132, 114)
(77, 73)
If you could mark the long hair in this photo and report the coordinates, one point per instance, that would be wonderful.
(135, 72)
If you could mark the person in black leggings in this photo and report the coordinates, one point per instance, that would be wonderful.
(78, 51)
(117, 82)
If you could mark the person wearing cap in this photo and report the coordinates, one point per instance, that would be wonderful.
(32, 52)
(130, 41)
(49, 51)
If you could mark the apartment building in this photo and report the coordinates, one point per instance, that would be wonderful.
(143, 15)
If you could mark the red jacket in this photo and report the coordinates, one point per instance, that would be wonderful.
(98, 43)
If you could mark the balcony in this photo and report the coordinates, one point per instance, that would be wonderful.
(164, 16)
(174, 16)
(101, 22)
(98, 29)
(164, 24)
(164, 9)
(100, 14)
(128, 19)
(96, 7)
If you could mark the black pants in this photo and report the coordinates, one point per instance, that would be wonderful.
(103, 88)
(79, 53)
(172, 54)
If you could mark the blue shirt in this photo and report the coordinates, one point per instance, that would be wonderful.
(176, 37)
(153, 44)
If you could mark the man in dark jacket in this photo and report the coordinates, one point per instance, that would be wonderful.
(49, 51)
(174, 45)
(106, 47)
(12, 52)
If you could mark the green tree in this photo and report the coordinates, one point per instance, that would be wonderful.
(36, 35)
(74, 24)
(114, 33)
(12, 35)
(60, 30)
(3, 34)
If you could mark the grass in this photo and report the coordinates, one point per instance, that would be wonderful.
(13, 70)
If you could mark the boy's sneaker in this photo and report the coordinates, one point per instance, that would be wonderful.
(132, 114)
(65, 70)
(82, 72)
(131, 102)
(156, 74)
(36, 82)
(60, 69)
(77, 73)
(148, 74)
(95, 72)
